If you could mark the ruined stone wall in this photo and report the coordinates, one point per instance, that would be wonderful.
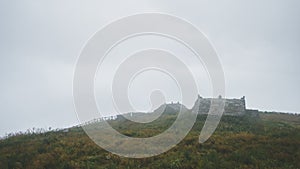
(231, 107)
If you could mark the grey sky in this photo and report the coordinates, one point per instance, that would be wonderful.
(257, 42)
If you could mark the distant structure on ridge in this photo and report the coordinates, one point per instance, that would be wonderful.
(233, 107)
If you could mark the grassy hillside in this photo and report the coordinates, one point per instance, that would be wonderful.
(268, 141)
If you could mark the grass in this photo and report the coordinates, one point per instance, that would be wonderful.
(268, 141)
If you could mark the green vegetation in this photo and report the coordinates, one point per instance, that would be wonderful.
(268, 141)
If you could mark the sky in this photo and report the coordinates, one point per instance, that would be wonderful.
(257, 43)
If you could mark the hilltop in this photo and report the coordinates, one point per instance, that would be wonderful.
(266, 140)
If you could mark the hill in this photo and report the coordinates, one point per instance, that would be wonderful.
(270, 140)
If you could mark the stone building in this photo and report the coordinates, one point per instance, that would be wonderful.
(231, 106)
(234, 107)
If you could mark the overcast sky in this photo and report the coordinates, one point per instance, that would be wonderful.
(258, 43)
